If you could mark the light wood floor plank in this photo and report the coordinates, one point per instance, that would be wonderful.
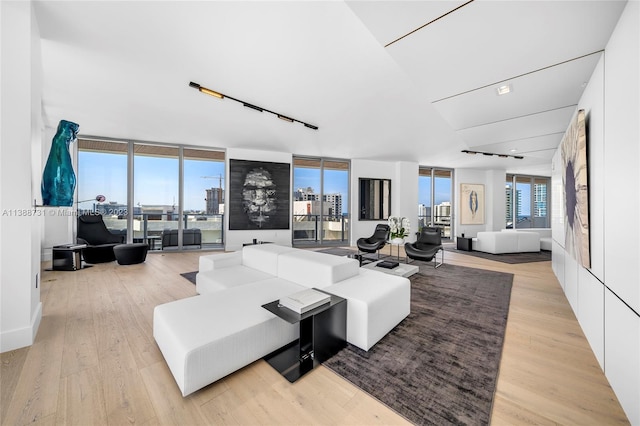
(11, 370)
(81, 399)
(80, 350)
(36, 394)
(168, 404)
(548, 373)
(126, 397)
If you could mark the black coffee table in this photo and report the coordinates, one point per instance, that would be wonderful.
(323, 332)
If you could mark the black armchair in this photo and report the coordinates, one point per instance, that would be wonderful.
(100, 242)
(428, 244)
(375, 242)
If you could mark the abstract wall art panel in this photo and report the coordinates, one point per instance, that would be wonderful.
(576, 190)
(259, 195)
(471, 204)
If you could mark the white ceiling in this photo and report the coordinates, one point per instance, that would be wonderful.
(122, 70)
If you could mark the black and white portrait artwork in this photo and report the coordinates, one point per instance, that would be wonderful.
(258, 195)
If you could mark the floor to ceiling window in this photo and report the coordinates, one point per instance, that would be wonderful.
(204, 193)
(102, 171)
(527, 201)
(155, 192)
(434, 198)
(157, 206)
(320, 201)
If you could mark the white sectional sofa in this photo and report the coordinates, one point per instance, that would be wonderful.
(498, 242)
(546, 241)
(206, 337)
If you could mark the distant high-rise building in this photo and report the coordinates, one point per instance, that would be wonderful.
(424, 215)
(540, 200)
(331, 205)
(214, 198)
(509, 201)
(518, 203)
(443, 213)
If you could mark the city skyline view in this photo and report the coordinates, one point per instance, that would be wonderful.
(156, 179)
(156, 182)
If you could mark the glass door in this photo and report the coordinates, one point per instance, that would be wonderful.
(540, 202)
(523, 202)
(335, 198)
(434, 199)
(102, 181)
(320, 201)
(442, 201)
(203, 198)
(424, 197)
(156, 210)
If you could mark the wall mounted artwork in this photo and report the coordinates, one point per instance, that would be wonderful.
(575, 180)
(471, 204)
(259, 195)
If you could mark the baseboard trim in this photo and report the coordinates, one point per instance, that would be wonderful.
(22, 337)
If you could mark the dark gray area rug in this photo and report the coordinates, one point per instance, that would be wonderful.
(511, 258)
(191, 276)
(438, 366)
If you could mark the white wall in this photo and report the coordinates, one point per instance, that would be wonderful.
(622, 211)
(20, 90)
(405, 202)
(235, 239)
(606, 297)
(379, 170)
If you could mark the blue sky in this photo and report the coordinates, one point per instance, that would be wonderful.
(442, 190)
(156, 179)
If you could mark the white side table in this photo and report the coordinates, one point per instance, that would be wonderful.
(395, 242)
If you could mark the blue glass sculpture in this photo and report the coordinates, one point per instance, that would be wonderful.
(59, 179)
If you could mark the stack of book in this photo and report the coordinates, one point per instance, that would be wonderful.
(305, 300)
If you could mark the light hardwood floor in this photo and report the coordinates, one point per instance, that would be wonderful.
(95, 362)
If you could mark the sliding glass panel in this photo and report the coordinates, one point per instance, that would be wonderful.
(335, 198)
(204, 194)
(523, 202)
(442, 201)
(508, 189)
(540, 202)
(306, 200)
(424, 197)
(102, 171)
(156, 210)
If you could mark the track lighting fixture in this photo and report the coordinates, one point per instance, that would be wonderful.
(282, 117)
(257, 108)
(489, 154)
(248, 105)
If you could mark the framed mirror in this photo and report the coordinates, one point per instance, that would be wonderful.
(375, 199)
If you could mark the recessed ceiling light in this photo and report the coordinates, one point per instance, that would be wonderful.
(504, 89)
(514, 150)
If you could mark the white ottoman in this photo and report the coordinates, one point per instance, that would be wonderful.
(376, 303)
(204, 338)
